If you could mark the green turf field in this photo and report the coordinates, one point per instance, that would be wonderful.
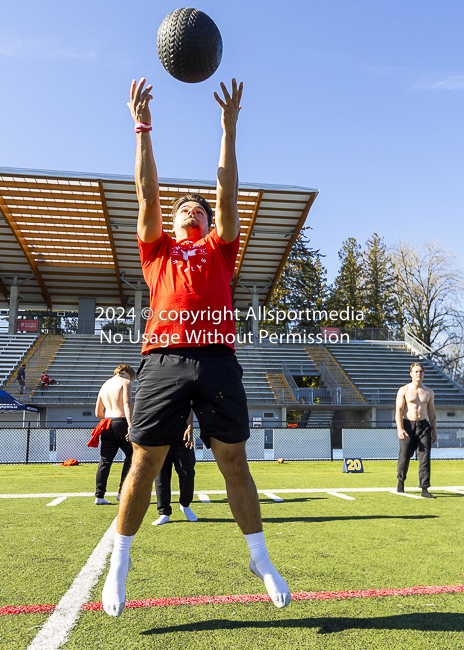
(319, 542)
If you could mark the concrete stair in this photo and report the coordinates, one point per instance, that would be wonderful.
(279, 387)
(320, 419)
(38, 359)
(350, 394)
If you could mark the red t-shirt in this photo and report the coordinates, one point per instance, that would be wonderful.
(190, 298)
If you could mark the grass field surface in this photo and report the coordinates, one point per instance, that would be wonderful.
(319, 542)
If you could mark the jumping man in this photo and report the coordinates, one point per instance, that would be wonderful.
(191, 273)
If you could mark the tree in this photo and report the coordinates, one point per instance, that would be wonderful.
(302, 284)
(429, 289)
(378, 284)
(347, 289)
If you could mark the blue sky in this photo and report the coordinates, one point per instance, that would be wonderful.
(362, 99)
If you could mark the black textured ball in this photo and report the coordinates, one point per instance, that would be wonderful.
(189, 45)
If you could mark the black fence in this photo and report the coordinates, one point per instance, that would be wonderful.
(49, 445)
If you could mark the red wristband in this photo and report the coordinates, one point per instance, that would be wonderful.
(140, 127)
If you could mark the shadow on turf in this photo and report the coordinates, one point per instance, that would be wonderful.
(275, 520)
(426, 622)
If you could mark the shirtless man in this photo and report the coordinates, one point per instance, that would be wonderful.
(114, 402)
(414, 402)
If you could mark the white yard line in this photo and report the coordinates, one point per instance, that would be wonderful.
(204, 498)
(405, 494)
(56, 501)
(57, 628)
(459, 489)
(271, 495)
(340, 495)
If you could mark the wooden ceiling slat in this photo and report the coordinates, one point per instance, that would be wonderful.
(49, 274)
(245, 244)
(51, 237)
(76, 205)
(29, 196)
(17, 233)
(90, 265)
(78, 215)
(93, 218)
(46, 248)
(49, 186)
(112, 244)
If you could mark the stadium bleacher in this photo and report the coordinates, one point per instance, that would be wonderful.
(379, 368)
(259, 363)
(13, 350)
(81, 366)
(376, 368)
(83, 363)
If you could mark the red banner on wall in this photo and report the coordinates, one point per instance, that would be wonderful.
(327, 331)
(28, 325)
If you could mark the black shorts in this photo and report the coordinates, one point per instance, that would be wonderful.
(171, 381)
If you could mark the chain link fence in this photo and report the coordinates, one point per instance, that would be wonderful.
(29, 444)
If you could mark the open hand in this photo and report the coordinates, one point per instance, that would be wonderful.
(139, 100)
(230, 104)
(188, 437)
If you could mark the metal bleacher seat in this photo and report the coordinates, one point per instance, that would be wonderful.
(83, 363)
(81, 366)
(13, 349)
(379, 368)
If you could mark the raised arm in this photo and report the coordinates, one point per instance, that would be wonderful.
(227, 221)
(149, 224)
(400, 404)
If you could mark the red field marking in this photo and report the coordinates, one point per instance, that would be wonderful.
(251, 598)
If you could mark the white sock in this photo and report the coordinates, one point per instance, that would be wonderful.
(262, 566)
(163, 519)
(114, 591)
(101, 502)
(191, 516)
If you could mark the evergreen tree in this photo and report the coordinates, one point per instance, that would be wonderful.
(347, 289)
(378, 284)
(302, 284)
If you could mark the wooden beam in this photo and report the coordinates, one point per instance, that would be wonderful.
(298, 228)
(111, 240)
(20, 239)
(247, 239)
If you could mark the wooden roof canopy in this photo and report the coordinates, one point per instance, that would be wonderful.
(71, 235)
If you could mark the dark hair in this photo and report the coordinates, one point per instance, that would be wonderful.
(198, 199)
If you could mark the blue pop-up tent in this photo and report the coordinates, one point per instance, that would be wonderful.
(9, 404)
